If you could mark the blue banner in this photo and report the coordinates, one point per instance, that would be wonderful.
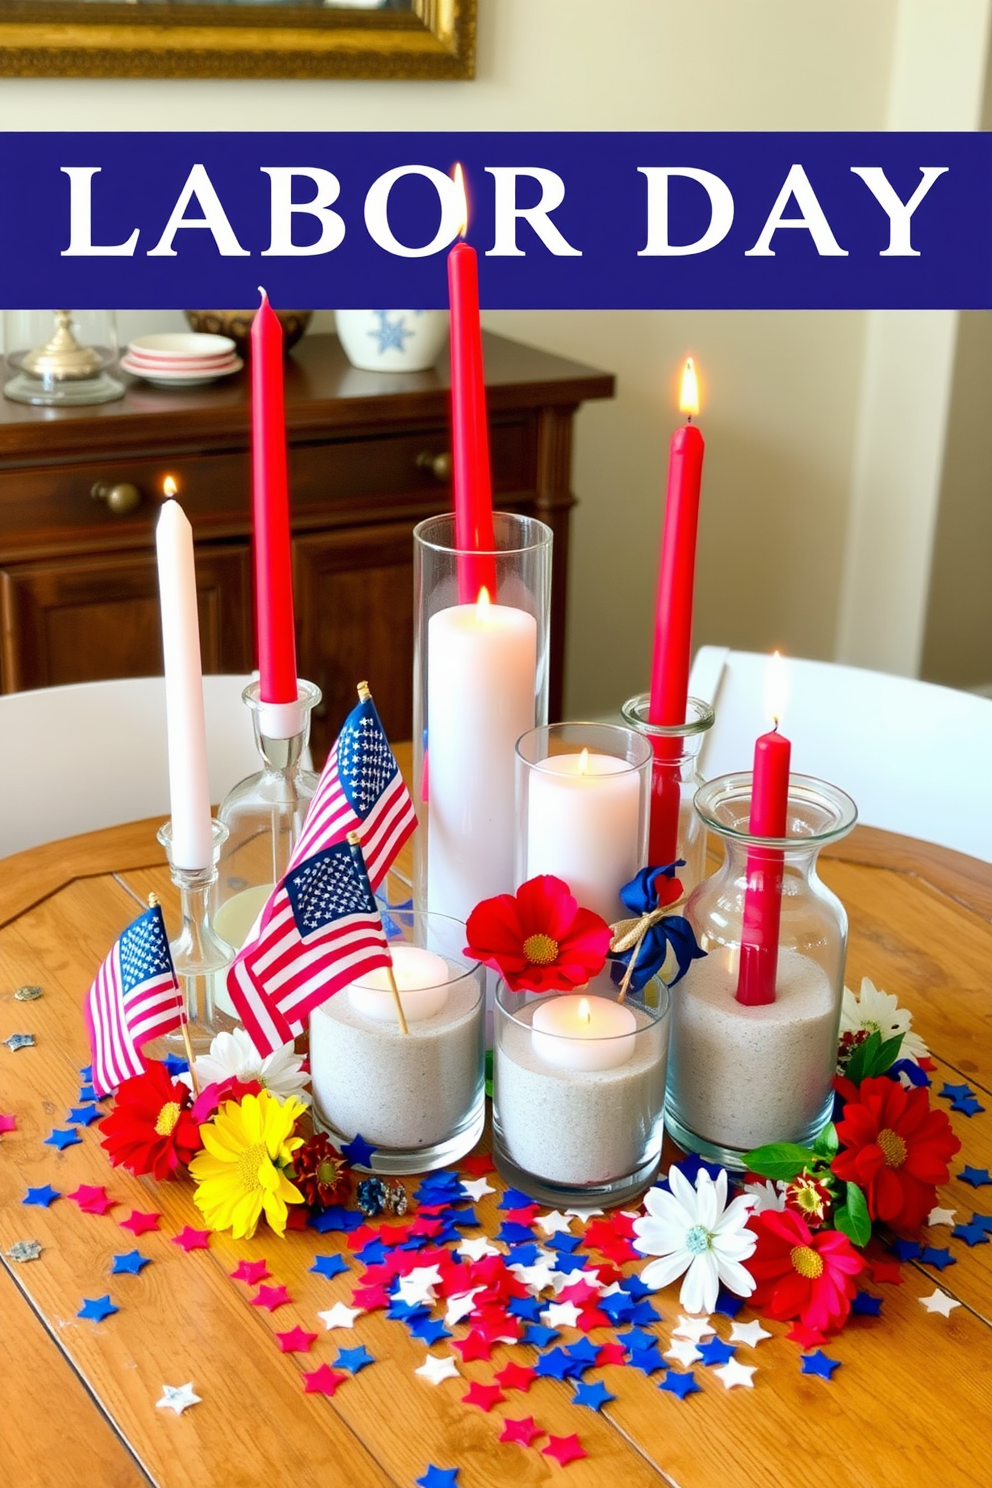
(560, 221)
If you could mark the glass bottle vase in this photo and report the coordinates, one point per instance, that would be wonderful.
(680, 744)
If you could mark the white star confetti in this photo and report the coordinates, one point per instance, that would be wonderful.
(339, 1316)
(750, 1334)
(583, 1214)
(939, 1301)
(562, 1279)
(177, 1398)
(460, 1306)
(476, 1187)
(684, 1352)
(941, 1216)
(537, 1277)
(476, 1249)
(419, 1285)
(554, 1223)
(561, 1314)
(434, 1370)
(695, 1329)
(734, 1374)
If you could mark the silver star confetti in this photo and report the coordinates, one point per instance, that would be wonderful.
(28, 994)
(177, 1398)
(24, 1250)
(19, 1041)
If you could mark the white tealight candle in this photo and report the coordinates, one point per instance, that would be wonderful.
(421, 979)
(583, 825)
(583, 1033)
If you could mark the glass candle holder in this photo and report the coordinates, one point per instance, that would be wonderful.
(264, 814)
(59, 358)
(676, 770)
(579, 1091)
(480, 681)
(582, 801)
(417, 1097)
(200, 956)
(745, 1075)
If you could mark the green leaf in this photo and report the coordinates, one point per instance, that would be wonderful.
(864, 1054)
(887, 1055)
(826, 1144)
(779, 1160)
(853, 1219)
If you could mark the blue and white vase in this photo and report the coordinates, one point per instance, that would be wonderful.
(392, 340)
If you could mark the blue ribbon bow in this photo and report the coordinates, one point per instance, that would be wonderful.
(642, 943)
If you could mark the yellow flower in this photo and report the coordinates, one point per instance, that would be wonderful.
(239, 1174)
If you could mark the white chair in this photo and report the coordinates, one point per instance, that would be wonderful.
(73, 759)
(916, 758)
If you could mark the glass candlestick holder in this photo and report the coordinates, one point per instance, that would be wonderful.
(264, 813)
(200, 956)
(675, 781)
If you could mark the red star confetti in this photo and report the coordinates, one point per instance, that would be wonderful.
(578, 1291)
(515, 1377)
(475, 1346)
(522, 1431)
(271, 1297)
(806, 1337)
(611, 1353)
(524, 1216)
(138, 1223)
(92, 1200)
(251, 1272)
(885, 1271)
(479, 1164)
(484, 1396)
(564, 1449)
(296, 1341)
(370, 1298)
(7, 1123)
(592, 1317)
(322, 1381)
(191, 1239)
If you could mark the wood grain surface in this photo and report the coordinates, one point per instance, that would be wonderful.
(903, 1410)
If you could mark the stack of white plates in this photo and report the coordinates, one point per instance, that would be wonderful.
(185, 359)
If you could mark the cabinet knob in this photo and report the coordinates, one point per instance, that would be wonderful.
(438, 465)
(120, 498)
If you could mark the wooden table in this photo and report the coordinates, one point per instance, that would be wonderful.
(910, 1405)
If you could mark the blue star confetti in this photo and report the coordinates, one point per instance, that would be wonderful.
(96, 1308)
(336, 1218)
(728, 1304)
(176, 1066)
(358, 1151)
(585, 1350)
(982, 1222)
(538, 1336)
(818, 1363)
(907, 1250)
(680, 1384)
(84, 1115)
(647, 1360)
(528, 1308)
(19, 1041)
(555, 1364)
(715, 1352)
(977, 1177)
(970, 1234)
(618, 1307)
(866, 1304)
(88, 1093)
(933, 1255)
(329, 1266)
(353, 1360)
(644, 1313)
(513, 1234)
(595, 1396)
(68, 1137)
(514, 1198)
(41, 1196)
(130, 1263)
(967, 1106)
(86, 1072)
(429, 1330)
(636, 1338)
(439, 1477)
(565, 1243)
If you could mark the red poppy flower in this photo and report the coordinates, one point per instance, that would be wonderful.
(539, 938)
(896, 1148)
(321, 1173)
(799, 1274)
(151, 1128)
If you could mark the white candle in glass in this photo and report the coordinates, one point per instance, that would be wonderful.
(421, 978)
(583, 1033)
(583, 825)
(481, 685)
(189, 793)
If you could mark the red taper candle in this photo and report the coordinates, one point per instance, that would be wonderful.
(763, 896)
(270, 492)
(673, 621)
(471, 481)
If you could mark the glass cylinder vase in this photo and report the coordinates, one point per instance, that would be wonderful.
(582, 799)
(748, 1072)
(480, 681)
(263, 815)
(676, 770)
(415, 1095)
(579, 1091)
(200, 956)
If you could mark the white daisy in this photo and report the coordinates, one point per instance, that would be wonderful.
(234, 1055)
(693, 1230)
(767, 1195)
(879, 1012)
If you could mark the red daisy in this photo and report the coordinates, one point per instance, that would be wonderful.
(799, 1274)
(321, 1173)
(539, 938)
(894, 1147)
(151, 1128)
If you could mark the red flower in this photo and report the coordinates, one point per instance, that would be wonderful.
(896, 1148)
(539, 938)
(151, 1128)
(807, 1196)
(212, 1097)
(799, 1274)
(321, 1173)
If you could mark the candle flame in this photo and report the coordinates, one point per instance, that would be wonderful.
(458, 176)
(584, 762)
(169, 487)
(776, 687)
(584, 1013)
(482, 603)
(689, 396)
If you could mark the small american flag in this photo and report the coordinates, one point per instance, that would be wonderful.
(361, 790)
(320, 931)
(135, 997)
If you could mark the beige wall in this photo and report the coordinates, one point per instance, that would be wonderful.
(782, 390)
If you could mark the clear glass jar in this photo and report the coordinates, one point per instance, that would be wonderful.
(744, 1075)
(263, 815)
(418, 1098)
(579, 1092)
(676, 768)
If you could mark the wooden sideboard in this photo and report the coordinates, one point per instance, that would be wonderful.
(368, 459)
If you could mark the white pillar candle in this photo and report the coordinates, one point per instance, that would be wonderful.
(583, 825)
(481, 685)
(421, 979)
(583, 1033)
(189, 793)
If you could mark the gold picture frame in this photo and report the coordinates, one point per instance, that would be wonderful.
(174, 38)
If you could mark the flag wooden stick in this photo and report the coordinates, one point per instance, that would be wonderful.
(355, 843)
(363, 692)
(183, 1026)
